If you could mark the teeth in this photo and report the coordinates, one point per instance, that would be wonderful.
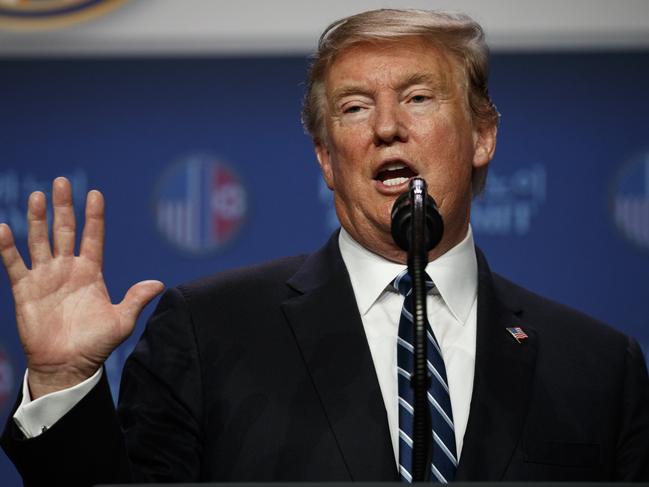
(393, 166)
(395, 181)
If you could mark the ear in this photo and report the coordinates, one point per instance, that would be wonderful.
(324, 159)
(484, 144)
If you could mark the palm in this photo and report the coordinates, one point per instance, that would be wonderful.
(56, 303)
(66, 321)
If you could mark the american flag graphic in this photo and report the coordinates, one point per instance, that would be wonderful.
(518, 333)
(200, 204)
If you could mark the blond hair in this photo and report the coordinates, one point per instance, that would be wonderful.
(458, 34)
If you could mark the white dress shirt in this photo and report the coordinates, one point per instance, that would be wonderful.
(34, 417)
(451, 314)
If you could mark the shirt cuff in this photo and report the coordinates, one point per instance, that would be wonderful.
(35, 417)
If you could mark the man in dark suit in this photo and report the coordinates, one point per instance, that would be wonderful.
(288, 371)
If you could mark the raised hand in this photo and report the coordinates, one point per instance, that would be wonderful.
(66, 321)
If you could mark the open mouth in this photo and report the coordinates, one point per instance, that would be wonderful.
(394, 174)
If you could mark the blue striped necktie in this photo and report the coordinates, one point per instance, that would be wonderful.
(444, 457)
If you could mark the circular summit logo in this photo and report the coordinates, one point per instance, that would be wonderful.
(200, 204)
(40, 14)
(630, 203)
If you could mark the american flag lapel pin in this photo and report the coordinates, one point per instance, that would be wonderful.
(518, 333)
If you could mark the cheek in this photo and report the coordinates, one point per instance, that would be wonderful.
(347, 158)
(449, 143)
(349, 143)
(449, 170)
(344, 176)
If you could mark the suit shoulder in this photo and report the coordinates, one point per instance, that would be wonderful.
(253, 279)
(549, 315)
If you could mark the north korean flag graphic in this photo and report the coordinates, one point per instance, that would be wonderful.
(200, 205)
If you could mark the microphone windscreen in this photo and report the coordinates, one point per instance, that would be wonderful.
(402, 217)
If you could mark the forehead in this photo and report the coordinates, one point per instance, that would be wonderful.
(389, 63)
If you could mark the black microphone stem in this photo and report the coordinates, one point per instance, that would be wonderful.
(417, 227)
(420, 381)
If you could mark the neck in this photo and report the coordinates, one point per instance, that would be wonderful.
(389, 250)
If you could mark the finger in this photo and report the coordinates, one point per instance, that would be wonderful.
(38, 241)
(136, 298)
(63, 226)
(92, 241)
(11, 258)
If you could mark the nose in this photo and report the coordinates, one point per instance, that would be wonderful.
(389, 123)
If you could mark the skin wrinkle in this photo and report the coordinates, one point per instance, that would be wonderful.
(388, 118)
(458, 72)
(414, 82)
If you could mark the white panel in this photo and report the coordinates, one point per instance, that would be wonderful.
(190, 27)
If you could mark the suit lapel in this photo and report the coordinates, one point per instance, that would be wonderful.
(502, 386)
(330, 334)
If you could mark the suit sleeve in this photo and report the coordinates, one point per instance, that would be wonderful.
(84, 447)
(632, 463)
(161, 396)
(153, 436)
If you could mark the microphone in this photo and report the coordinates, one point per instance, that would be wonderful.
(417, 227)
(403, 211)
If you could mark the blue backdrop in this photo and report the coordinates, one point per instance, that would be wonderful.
(205, 167)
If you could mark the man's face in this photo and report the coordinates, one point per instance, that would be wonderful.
(393, 111)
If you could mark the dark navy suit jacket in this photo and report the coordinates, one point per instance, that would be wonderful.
(265, 374)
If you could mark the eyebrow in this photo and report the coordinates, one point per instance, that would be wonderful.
(414, 79)
(348, 90)
(421, 79)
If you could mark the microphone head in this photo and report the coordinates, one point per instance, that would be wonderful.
(402, 218)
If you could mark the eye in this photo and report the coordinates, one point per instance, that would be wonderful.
(352, 109)
(419, 98)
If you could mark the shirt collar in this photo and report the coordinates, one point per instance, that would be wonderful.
(455, 274)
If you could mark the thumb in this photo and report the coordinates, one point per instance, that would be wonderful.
(137, 297)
